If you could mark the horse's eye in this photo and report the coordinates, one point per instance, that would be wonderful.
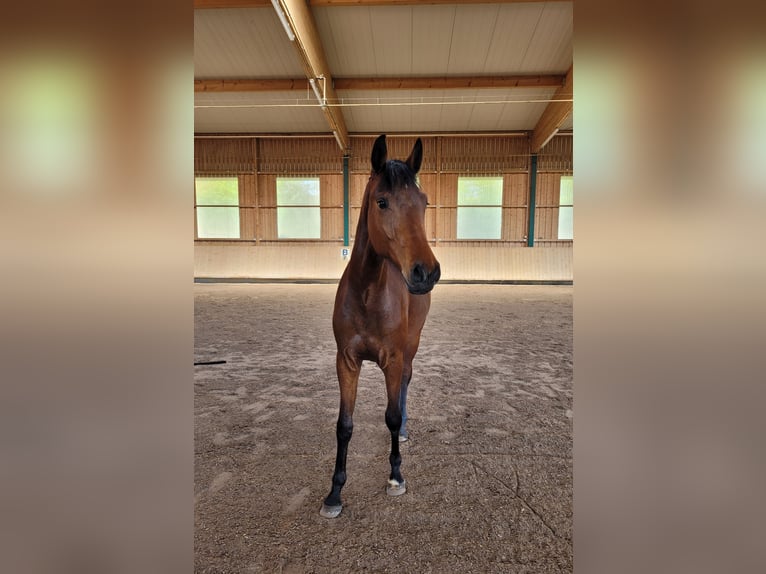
(382, 203)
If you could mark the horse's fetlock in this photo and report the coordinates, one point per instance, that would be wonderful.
(339, 478)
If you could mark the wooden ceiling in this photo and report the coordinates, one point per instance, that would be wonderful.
(374, 66)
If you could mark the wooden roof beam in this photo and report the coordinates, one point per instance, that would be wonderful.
(205, 4)
(406, 83)
(410, 2)
(554, 114)
(445, 83)
(309, 46)
(252, 85)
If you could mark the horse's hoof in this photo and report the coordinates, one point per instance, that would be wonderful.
(330, 511)
(395, 488)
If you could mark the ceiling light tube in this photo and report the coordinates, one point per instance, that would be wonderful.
(549, 138)
(337, 139)
(319, 97)
(324, 88)
(283, 19)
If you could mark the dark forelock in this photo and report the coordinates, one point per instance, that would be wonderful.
(397, 174)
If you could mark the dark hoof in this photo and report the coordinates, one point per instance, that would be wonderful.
(395, 488)
(330, 511)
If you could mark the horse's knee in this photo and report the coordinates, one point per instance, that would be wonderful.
(345, 428)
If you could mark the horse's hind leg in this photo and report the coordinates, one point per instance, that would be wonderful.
(393, 372)
(348, 377)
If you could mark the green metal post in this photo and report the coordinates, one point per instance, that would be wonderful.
(532, 200)
(346, 194)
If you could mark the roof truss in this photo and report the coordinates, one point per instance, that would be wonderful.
(204, 4)
(299, 22)
(554, 115)
(402, 83)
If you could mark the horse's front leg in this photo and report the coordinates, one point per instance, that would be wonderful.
(348, 369)
(393, 372)
(406, 376)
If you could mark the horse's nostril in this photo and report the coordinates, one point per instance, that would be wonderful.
(435, 274)
(419, 273)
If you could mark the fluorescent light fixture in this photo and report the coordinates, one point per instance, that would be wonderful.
(337, 139)
(320, 99)
(549, 138)
(283, 19)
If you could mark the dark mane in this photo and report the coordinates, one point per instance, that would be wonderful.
(397, 174)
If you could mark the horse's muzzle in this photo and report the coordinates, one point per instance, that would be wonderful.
(420, 280)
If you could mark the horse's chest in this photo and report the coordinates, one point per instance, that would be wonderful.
(381, 314)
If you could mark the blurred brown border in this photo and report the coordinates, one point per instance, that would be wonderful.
(669, 276)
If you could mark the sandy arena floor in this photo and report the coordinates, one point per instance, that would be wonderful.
(488, 466)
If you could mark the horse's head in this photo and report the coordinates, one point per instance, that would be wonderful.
(396, 217)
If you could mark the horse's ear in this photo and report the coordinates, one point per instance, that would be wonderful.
(379, 154)
(416, 156)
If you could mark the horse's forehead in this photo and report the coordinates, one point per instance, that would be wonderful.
(395, 180)
(402, 190)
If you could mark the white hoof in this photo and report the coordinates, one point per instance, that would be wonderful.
(330, 511)
(395, 488)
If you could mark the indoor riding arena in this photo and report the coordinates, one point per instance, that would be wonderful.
(290, 96)
(488, 463)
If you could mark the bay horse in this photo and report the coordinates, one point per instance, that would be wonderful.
(381, 304)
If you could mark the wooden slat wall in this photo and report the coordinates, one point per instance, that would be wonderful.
(556, 155)
(331, 201)
(266, 214)
(217, 156)
(259, 161)
(553, 161)
(304, 260)
(299, 156)
(446, 207)
(357, 183)
(484, 155)
(248, 206)
(429, 185)
(398, 148)
(515, 195)
(547, 208)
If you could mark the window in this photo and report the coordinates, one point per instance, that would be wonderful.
(298, 208)
(479, 207)
(566, 207)
(217, 200)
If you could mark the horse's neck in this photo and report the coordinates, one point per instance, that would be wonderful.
(365, 262)
(366, 265)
